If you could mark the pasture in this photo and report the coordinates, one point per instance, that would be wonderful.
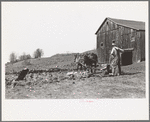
(53, 85)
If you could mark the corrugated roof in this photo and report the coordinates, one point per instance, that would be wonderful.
(127, 23)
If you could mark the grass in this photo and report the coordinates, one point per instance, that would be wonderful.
(131, 84)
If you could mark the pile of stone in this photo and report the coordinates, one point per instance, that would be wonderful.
(36, 71)
(27, 77)
(80, 75)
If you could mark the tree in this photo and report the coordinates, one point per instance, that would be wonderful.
(13, 57)
(38, 53)
(28, 56)
(24, 57)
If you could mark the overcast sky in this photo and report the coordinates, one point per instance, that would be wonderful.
(60, 27)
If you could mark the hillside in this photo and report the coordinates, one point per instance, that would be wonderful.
(62, 61)
(91, 51)
(53, 85)
(57, 85)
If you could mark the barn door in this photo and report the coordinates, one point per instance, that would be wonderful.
(126, 58)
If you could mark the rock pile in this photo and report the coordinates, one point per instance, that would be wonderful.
(33, 77)
(78, 75)
(37, 71)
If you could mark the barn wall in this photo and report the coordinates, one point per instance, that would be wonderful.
(106, 34)
(124, 38)
(142, 46)
(134, 45)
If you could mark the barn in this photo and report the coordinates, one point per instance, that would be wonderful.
(127, 34)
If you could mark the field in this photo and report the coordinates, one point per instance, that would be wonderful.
(54, 85)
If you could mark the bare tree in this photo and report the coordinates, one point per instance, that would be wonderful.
(38, 53)
(13, 57)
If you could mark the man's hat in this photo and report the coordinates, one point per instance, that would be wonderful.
(113, 44)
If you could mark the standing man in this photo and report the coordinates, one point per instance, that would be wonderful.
(115, 59)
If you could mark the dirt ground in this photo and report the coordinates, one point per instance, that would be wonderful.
(131, 84)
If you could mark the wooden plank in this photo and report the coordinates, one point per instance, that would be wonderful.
(98, 41)
(142, 40)
(114, 26)
(135, 48)
(129, 31)
(123, 41)
(120, 40)
(138, 49)
(125, 30)
(133, 45)
(114, 35)
(121, 30)
(117, 35)
(104, 27)
(101, 55)
(103, 50)
(98, 46)
(129, 42)
(107, 46)
(109, 25)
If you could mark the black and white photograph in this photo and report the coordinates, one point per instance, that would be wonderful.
(84, 60)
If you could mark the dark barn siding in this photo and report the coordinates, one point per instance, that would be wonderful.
(124, 37)
(142, 38)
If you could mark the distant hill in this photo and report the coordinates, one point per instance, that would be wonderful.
(91, 51)
(63, 61)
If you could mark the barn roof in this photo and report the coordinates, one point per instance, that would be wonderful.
(126, 23)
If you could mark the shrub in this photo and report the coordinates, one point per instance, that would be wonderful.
(38, 53)
(24, 57)
(13, 57)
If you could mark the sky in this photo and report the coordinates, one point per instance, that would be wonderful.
(60, 27)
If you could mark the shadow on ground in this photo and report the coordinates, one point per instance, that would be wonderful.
(130, 73)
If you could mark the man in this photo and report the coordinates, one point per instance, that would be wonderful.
(115, 59)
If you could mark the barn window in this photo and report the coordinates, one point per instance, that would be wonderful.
(113, 41)
(102, 45)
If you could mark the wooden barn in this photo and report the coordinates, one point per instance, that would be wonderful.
(127, 34)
